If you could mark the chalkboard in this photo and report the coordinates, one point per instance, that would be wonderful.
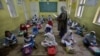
(48, 6)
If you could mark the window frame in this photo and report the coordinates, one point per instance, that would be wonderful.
(97, 17)
(80, 8)
(19, 2)
(14, 13)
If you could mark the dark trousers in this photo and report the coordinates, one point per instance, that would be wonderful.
(62, 32)
(86, 43)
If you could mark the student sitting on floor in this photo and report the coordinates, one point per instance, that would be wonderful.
(49, 40)
(28, 39)
(48, 28)
(69, 22)
(90, 39)
(68, 36)
(10, 39)
(50, 22)
(42, 19)
(39, 25)
(84, 29)
(49, 17)
(28, 24)
(79, 30)
(23, 29)
(35, 19)
(35, 30)
(68, 40)
(74, 25)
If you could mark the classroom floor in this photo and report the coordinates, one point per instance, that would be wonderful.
(80, 50)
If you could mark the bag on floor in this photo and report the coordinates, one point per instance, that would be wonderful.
(26, 50)
(20, 33)
(95, 50)
(52, 51)
(70, 50)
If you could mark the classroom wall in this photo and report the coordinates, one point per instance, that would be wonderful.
(87, 18)
(43, 13)
(8, 23)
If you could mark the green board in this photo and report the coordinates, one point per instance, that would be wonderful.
(48, 6)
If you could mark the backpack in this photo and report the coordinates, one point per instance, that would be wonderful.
(26, 50)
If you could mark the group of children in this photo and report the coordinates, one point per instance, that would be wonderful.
(76, 26)
(29, 41)
(67, 40)
(89, 39)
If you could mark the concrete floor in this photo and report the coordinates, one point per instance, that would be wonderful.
(80, 50)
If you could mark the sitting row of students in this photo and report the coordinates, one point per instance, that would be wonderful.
(23, 29)
(68, 38)
(76, 26)
(42, 19)
(29, 42)
(89, 39)
(49, 37)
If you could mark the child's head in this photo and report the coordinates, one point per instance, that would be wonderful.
(35, 15)
(70, 32)
(92, 32)
(7, 33)
(67, 40)
(22, 25)
(26, 35)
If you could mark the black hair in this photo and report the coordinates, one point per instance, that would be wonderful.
(70, 33)
(92, 33)
(25, 34)
(6, 33)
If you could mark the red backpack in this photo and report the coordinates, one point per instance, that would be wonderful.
(52, 51)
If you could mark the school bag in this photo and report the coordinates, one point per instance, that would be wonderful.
(95, 50)
(26, 50)
(51, 51)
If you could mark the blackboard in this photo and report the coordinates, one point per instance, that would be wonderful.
(48, 6)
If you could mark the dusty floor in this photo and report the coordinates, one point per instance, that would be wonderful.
(80, 50)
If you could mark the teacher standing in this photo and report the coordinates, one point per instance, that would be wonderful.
(62, 22)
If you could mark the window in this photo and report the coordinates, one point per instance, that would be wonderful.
(1, 6)
(80, 8)
(97, 17)
(19, 2)
(11, 8)
(69, 6)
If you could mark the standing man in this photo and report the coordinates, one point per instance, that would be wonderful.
(62, 21)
